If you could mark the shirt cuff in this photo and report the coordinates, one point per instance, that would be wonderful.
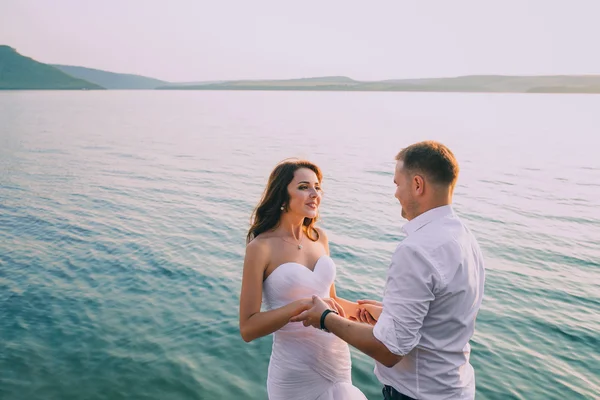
(395, 337)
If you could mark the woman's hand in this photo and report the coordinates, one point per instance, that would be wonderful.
(334, 305)
(306, 304)
(368, 311)
(301, 305)
(365, 316)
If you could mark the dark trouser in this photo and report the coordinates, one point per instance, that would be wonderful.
(389, 393)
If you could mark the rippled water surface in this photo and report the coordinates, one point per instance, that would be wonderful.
(123, 217)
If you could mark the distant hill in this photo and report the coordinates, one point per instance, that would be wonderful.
(192, 83)
(20, 72)
(319, 83)
(473, 83)
(500, 83)
(111, 80)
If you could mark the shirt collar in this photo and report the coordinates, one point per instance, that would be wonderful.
(435, 213)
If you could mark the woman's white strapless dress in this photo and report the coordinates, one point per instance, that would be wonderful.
(306, 363)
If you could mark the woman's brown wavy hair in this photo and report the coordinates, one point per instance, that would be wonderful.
(267, 214)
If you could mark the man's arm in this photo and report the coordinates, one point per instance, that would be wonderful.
(356, 334)
(361, 336)
(409, 290)
(412, 280)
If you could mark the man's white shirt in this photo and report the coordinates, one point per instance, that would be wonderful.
(432, 296)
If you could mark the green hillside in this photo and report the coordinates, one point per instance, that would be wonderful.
(111, 80)
(19, 72)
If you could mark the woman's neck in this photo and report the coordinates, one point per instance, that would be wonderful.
(293, 227)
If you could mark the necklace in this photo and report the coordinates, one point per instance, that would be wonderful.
(299, 244)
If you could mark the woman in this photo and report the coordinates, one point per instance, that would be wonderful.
(287, 261)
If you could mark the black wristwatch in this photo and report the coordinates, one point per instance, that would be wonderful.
(323, 318)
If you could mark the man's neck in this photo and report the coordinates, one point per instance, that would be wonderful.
(434, 203)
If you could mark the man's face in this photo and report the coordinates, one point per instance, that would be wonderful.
(404, 192)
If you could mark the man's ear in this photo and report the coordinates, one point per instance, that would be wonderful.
(419, 184)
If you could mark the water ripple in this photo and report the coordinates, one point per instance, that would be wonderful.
(121, 247)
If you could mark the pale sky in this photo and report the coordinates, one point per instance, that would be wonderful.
(195, 40)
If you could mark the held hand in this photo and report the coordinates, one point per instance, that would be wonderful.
(334, 305)
(365, 316)
(374, 310)
(302, 305)
(312, 317)
(369, 311)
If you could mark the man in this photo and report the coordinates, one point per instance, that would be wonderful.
(433, 291)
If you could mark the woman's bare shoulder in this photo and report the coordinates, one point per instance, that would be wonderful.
(323, 239)
(322, 233)
(263, 243)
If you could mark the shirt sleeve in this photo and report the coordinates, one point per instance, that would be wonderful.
(410, 286)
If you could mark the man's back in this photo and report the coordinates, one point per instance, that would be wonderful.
(434, 291)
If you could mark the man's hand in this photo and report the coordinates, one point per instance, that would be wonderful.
(364, 316)
(356, 334)
(312, 317)
(368, 311)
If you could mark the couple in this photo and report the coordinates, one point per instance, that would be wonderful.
(418, 336)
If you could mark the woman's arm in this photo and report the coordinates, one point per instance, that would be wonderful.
(350, 308)
(354, 310)
(253, 322)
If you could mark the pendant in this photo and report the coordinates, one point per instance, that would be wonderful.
(299, 247)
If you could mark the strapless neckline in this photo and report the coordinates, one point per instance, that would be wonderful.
(312, 271)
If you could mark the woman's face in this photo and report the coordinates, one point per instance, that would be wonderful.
(305, 193)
